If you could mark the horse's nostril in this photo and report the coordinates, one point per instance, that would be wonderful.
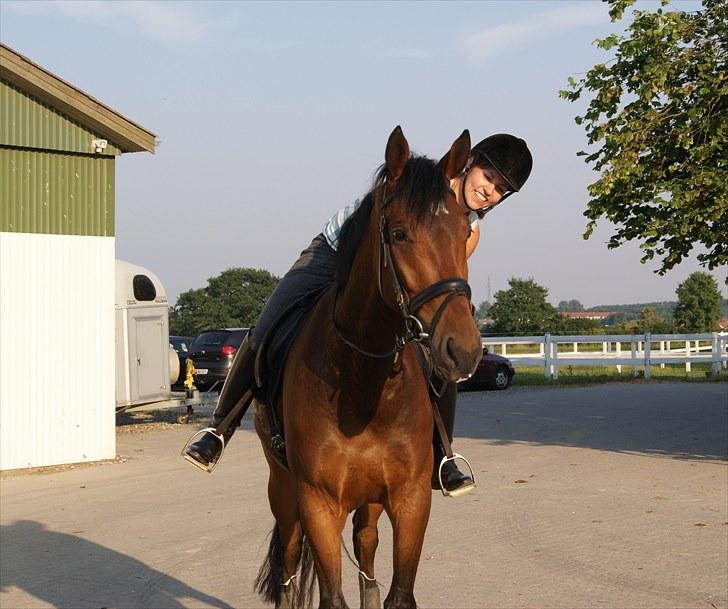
(451, 350)
(464, 360)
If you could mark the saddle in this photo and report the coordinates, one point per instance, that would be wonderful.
(271, 359)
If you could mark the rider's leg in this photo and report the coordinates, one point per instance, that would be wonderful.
(452, 478)
(314, 270)
(240, 378)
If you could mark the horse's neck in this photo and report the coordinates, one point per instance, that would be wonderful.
(361, 311)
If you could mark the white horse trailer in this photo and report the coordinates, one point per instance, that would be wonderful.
(142, 337)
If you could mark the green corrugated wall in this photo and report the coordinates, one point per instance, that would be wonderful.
(26, 122)
(52, 193)
(50, 181)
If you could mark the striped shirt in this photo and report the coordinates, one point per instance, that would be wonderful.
(332, 229)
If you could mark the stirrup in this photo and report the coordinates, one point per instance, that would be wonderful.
(211, 465)
(458, 491)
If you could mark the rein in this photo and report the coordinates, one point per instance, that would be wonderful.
(414, 328)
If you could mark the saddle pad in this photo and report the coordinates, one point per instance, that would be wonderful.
(274, 349)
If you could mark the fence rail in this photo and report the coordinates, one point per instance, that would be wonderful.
(634, 350)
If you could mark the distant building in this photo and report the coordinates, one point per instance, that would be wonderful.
(595, 315)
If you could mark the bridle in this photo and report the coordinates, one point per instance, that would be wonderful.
(414, 328)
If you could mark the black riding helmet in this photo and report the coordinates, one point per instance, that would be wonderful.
(508, 155)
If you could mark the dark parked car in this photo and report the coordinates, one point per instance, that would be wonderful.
(493, 372)
(212, 353)
(181, 344)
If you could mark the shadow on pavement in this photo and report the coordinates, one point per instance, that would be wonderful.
(74, 571)
(677, 420)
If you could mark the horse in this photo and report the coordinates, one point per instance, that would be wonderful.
(354, 400)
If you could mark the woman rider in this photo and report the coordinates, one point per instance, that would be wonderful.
(498, 166)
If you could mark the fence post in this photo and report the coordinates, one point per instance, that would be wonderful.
(555, 359)
(547, 355)
(619, 355)
(648, 353)
(633, 349)
(688, 367)
(662, 352)
(715, 352)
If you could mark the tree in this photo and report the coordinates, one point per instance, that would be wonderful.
(570, 305)
(650, 321)
(698, 305)
(523, 309)
(233, 299)
(570, 325)
(481, 312)
(659, 113)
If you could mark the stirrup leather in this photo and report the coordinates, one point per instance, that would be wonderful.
(210, 466)
(459, 491)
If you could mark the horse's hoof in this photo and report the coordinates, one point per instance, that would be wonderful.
(368, 593)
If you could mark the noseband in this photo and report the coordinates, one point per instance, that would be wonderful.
(414, 328)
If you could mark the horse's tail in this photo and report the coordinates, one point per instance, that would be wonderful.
(269, 583)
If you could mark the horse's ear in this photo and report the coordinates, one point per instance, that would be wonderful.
(456, 158)
(397, 154)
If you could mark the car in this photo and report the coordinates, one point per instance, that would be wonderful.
(181, 345)
(212, 354)
(493, 372)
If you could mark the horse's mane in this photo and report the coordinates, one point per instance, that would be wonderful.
(422, 184)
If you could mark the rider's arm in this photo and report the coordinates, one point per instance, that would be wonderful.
(472, 239)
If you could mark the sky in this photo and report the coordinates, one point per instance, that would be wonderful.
(271, 116)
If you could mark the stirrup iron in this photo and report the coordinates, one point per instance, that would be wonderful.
(459, 491)
(210, 466)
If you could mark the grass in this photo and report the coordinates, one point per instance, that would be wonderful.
(584, 375)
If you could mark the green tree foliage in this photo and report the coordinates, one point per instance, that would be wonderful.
(481, 312)
(580, 326)
(649, 321)
(659, 114)
(233, 299)
(523, 309)
(699, 304)
(570, 305)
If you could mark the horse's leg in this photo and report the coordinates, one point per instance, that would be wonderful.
(277, 579)
(323, 522)
(282, 498)
(366, 540)
(409, 512)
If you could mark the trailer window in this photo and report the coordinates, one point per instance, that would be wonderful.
(144, 288)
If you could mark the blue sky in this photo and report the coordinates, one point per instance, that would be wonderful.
(271, 116)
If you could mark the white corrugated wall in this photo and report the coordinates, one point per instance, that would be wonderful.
(56, 349)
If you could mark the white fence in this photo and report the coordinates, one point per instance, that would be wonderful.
(643, 351)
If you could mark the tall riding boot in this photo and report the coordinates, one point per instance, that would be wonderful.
(453, 480)
(240, 378)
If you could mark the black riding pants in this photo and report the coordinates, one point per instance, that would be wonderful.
(314, 271)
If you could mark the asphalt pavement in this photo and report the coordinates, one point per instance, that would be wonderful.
(604, 496)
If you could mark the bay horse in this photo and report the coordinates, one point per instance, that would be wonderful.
(355, 403)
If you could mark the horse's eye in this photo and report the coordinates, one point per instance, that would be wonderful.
(399, 235)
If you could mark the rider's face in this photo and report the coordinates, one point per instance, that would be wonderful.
(484, 187)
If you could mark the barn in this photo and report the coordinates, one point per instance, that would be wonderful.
(58, 147)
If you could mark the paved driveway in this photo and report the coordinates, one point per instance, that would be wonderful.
(604, 496)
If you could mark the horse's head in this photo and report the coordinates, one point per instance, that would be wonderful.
(422, 262)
